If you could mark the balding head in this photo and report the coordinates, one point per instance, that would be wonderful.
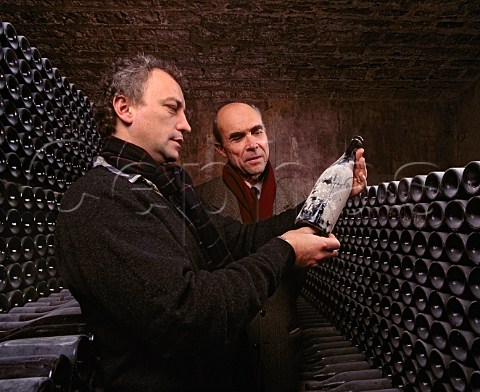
(228, 112)
(241, 138)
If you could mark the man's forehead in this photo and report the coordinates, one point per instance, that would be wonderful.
(233, 110)
(166, 83)
(239, 120)
(164, 87)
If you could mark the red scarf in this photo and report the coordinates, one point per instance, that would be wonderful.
(252, 209)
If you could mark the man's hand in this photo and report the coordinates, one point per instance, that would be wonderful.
(311, 248)
(359, 173)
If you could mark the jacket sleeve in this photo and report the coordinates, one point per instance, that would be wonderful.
(245, 239)
(132, 262)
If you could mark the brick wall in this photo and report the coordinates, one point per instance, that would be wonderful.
(399, 72)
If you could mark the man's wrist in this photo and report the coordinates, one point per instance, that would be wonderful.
(281, 237)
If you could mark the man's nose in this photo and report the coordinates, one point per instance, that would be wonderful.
(183, 124)
(251, 142)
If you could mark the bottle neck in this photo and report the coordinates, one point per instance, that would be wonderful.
(355, 144)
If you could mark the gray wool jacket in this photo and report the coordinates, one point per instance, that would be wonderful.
(219, 199)
(161, 321)
(273, 350)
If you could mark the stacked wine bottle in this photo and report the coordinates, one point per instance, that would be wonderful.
(48, 140)
(405, 287)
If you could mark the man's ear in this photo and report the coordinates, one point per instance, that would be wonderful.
(220, 149)
(122, 107)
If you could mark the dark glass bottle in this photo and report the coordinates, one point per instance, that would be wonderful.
(24, 49)
(455, 246)
(36, 61)
(471, 178)
(472, 247)
(437, 304)
(8, 36)
(19, 368)
(455, 214)
(433, 189)
(11, 141)
(13, 166)
(451, 184)
(458, 310)
(11, 90)
(423, 323)
(10, 113)
(403, 190)
(437, 273)
(381, 193)
(8, 61)
(372, 195)
(26, 97)
(37, 84)
(29, 270)
(417, 188)
(47, 69)
(25, 121)
(457, 278)
(392, 191)
(331, 191)
(472, 212)
(77, 348)
(459, 376)
(405, 216)
(24, 72)
(419, 215)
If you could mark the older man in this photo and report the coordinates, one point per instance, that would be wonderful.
(247, 189)
(249, 192)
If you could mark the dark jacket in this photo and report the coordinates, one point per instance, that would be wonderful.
(161, 321)
(273, 350)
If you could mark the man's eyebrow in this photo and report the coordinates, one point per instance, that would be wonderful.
(169, 99)
(237, 134)
(256, 127)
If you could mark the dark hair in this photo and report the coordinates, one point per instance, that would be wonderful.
(128, 76)
(216, 132)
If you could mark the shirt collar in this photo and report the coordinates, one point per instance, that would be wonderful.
(257, 185)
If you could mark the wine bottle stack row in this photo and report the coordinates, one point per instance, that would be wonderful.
(20, 296)
(48, 136)
(48, 140)
(61, 363)
(405, 287)
(27, 244)
(329, 361)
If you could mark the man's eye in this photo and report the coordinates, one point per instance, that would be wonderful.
(172, 108)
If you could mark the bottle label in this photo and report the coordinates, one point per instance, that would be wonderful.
(327, 198)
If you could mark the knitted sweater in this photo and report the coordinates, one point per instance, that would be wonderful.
(161, 321)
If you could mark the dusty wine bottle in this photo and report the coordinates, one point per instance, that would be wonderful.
(330, 193)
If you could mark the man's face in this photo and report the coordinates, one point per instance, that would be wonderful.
(244, 139)
(159, 124)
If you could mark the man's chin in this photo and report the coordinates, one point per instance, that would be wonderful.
(256, 168)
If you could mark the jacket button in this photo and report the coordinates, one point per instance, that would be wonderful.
(263, 313)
